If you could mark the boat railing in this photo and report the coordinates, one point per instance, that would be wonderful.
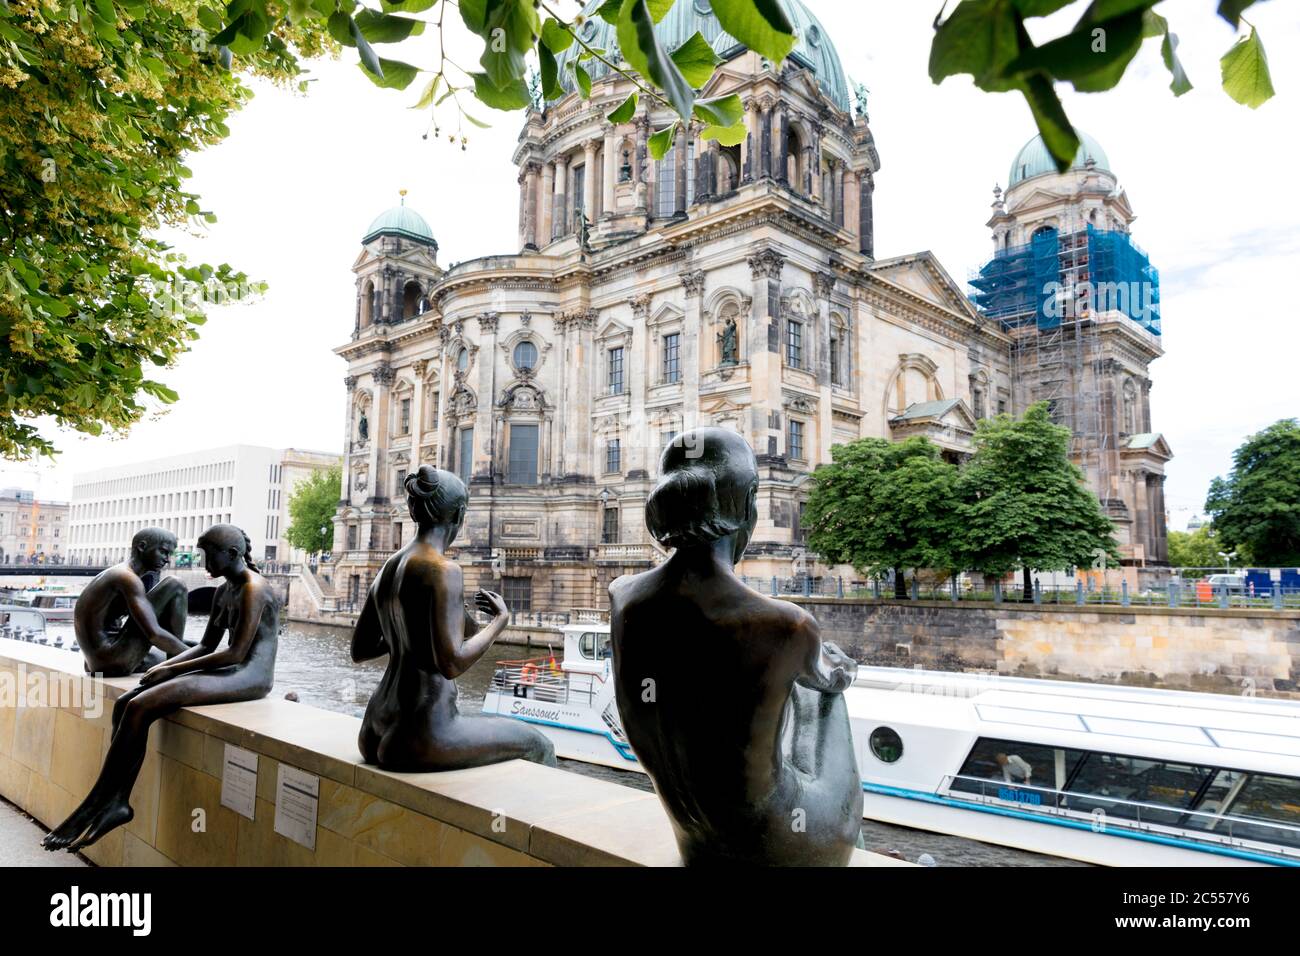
(1104, 812)
(539, 679)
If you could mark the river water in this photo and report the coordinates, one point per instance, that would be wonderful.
(314, 662)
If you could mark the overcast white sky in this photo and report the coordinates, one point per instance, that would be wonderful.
(1214, 185)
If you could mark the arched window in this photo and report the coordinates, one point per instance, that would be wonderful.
(367, 304)
(794, 158)
(411, 300)
(1130, 408)
(839, 352)
(462, 360)
(525, 356)
(728, 169)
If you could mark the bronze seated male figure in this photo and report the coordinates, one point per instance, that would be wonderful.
(415, 613)
(246, 613)
(126, 620)
(731, 701)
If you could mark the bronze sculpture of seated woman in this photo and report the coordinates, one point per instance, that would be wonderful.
(415, 613)
(730, 699)
(246, 609)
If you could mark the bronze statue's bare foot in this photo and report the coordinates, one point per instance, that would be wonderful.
(69, 829)
(110, 818)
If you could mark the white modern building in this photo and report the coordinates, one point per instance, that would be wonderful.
(243, 485)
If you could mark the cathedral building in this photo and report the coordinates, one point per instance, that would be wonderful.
(729, 286)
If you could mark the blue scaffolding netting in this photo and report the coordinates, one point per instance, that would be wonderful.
(1055, 276)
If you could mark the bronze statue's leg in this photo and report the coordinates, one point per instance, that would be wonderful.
(171, 604)
(465, 742)
(108, 805)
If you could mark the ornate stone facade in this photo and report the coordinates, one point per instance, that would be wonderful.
(551, 379)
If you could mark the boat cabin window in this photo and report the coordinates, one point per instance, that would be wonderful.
(1104, 779)
(1023, 772)
(886, 744)
(595, 647)
(1267, 798)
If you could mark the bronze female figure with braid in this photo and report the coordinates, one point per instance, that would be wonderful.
(415, 613)
(246, 609)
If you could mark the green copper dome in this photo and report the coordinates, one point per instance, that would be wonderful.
(1035, 160)
(400, 221)
(813, 47)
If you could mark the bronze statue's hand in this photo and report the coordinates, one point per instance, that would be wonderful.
(491, 603)
(156, 675)
(844, 667)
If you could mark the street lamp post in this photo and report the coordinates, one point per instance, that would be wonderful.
(1228, 556)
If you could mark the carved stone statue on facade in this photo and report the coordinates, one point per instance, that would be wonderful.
(127, 620)
(584, 232)
(625, 171)
(728, 344)
(363, 427)
(246, 611)
(416, 614)
(759, 768)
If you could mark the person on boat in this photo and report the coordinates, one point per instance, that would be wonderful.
(127, 620)
(415, 613)
(246, 611)
(1015, 769)
(731, 701)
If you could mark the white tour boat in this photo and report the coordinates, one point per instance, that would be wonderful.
(1118, 776)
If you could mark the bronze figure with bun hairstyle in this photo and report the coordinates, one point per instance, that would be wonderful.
(732, 702)
(246, 612)
(416, 614)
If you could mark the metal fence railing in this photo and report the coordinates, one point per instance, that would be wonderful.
(1174, 593)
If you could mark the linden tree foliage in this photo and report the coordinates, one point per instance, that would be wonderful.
(988, 40)
(517, 33)
(311, 511)
(1024, 504)
(1256, 509)
(884, 506)
(101, 101)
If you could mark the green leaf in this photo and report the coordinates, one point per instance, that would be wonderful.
(369, 58)
(385, 28)
(551, 89)
(696, 59)
(726, 135)
(721, 111)
(555, 36)
(980, 37)
(407, 6)
(474, 14)
(761, 25)
(479, 123)
(1062, 142)
(625, 112)
(662, 141)
(339, 26)
(430, 91)
(1093, 56)
(1231, 10)
(609, 11)
(1180, 84)
(513, 97)
(584, 81)
(659, 8)
(640, 46)
(1245, 72)
(393, 75)
(1039, 8)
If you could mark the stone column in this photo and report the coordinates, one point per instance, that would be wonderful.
(420, 368)
(692, 348)
(345, 493)
(561, 211)
(839, 194)
(638, 360)
(780, 152)
(530, 204)
(765, 135)
(589, 181)
(577, 330)
(380, 421)
(866, 223)
(485, 442)
(764, 339)
(548, 203)
(680, 168)
(823, 288)
(852, 200)
(750, 148)
(607, 199)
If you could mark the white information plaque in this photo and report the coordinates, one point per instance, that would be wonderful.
(297, 796)
(239, 781)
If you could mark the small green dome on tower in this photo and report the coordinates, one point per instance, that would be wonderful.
(1034, 159)
(400, 221)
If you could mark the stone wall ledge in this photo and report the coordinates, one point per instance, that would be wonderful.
(513, 814)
